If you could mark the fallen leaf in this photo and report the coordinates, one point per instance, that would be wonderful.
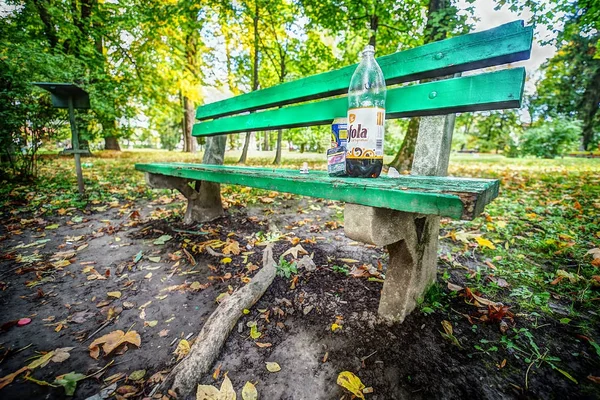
(485, 243)
(112, 341)
(294, 251)
(53, 226)
(263, 345)
(207, 392)
(249, 392)
(163, 333)
(83, 246)
(182, 350)
(273, 367)
(7, 380)
(151, 324)
(226, 260)
(335, 327)
(232, 247)
(348, 260)
(137, 375)
(227, 392)
(595, 379)
(61, 354)
(154, 259)
(254, 333)
(447, 327)
(454, 288)
(41, 361)
(351, 383)
(116, 294)
(69, 382)
(163, 239)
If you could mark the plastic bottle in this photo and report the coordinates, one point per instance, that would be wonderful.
(366, 117)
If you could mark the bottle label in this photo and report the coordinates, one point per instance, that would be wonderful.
(365, 133)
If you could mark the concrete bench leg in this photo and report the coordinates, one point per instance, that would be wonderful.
(204, 201)
(412, 242)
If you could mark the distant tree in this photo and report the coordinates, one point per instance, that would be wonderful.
(551, 138)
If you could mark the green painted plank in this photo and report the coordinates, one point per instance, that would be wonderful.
(444, 196)
(504, 44)
(489, 91)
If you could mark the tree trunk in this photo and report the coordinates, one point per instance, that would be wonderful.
(404, 158)
(277, 160)
(244, 155)
(111, 143)
(189, 142)
(589, 108)
(255, 84)
(266, 141)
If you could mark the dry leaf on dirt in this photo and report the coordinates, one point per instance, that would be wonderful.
(182, 350)
(209, 392)
(273, 367)
(447, 327)
(294, 251)
(454, 288)
(249, 392)
(116, 294)
(232, 247)
(7, 380)
(351, 383)
(595, 379)
(113, 340)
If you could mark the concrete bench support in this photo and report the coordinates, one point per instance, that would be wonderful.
(411, 239)
(203, 201)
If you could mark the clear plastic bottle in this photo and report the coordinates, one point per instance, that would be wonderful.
(366, 117)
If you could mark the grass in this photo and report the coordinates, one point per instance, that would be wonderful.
(540, 228)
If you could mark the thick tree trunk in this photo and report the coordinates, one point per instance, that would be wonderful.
(111, 143)
(433, 32)
(189, 142)
(277, 160)
(404, 158)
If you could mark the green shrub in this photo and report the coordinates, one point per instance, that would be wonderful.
(552, 138)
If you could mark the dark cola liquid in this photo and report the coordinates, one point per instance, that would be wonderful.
(369, 168)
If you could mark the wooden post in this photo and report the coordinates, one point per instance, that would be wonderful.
(75, 145)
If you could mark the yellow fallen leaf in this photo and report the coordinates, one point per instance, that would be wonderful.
(182, 350)
(61, 263)
(7, 380)
(335, 327)
(41, 361)
(249, 392)
(485, 243)
(227, 392)
(226, 260)
(83, 246)
(113, 340)
(116, 295)
(207, 392)
(351, 383)
(447, 327)
(151, 324)
(273, 367)
(347, 260)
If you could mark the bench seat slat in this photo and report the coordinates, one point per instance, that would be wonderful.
(461, 198)
(489, 91)
(504, 44)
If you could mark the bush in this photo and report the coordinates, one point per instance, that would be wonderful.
(552, 138)
(29, 120)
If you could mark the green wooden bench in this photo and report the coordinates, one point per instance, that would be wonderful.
(400, 213)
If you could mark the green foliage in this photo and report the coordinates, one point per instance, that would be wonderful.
(286, 269)
(551, 139)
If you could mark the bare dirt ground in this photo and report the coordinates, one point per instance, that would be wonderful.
(59, 272)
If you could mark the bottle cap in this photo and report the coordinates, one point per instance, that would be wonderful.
(368, 49)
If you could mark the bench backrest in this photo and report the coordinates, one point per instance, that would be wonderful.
(486, 91)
